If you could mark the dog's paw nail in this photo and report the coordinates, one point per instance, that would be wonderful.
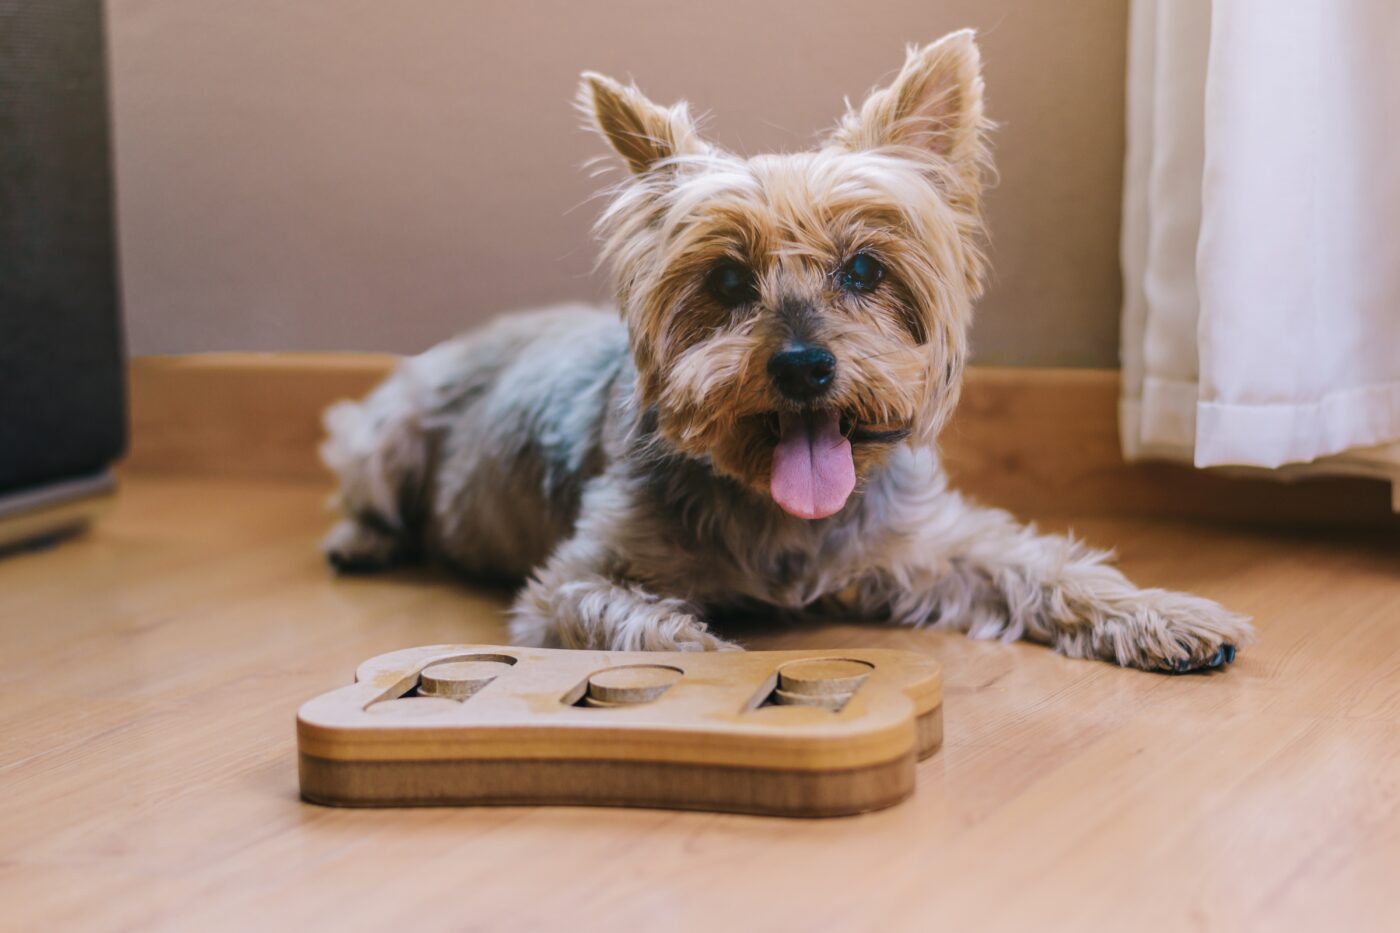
(1224, 655)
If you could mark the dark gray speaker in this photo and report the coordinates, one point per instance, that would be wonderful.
(62, 392)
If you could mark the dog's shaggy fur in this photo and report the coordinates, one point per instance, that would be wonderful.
(628, 470)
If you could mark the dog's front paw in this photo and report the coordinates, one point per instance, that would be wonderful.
(690, 634)
(665, 626)
(1158, 630)
(600, 614)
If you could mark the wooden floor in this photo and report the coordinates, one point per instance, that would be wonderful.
(150, 673)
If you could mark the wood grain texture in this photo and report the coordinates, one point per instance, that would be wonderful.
(150, 673)
(1022, 439)
(568, 782)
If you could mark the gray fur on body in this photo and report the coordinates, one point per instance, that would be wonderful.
(518, 452)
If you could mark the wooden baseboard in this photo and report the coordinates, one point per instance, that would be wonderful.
(241, 414)
(1043, 441)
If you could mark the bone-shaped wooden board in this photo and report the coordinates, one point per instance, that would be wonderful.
(794, 733)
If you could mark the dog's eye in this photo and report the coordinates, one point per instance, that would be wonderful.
(862, 272)
(731, 284)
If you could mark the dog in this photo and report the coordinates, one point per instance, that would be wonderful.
(758, 430)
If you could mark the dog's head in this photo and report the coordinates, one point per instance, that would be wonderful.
(795, 317)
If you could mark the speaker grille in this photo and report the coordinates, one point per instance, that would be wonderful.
(62, 404)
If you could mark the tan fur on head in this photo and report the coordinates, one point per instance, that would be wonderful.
(933, 109)
(900, 178)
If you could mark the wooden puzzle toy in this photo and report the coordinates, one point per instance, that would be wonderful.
(792, 733)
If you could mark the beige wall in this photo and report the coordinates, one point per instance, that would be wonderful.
(348, 174)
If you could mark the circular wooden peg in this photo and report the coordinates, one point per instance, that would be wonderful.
(640, 683)
(832, 701)
(459, 679)
(823, 677)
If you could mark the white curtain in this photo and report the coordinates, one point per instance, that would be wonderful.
(1261, 235)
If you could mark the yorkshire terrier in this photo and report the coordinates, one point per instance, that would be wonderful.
(758, 430)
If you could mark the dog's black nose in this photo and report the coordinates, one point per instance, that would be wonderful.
(802, 372)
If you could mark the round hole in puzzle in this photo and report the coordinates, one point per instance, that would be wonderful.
(634, 683)
(414, 707)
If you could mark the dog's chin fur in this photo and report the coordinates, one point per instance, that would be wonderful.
(626, 466)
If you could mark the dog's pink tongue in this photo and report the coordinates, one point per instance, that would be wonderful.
(813, 473)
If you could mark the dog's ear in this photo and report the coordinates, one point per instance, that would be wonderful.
(933, 106)
(645, 134)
